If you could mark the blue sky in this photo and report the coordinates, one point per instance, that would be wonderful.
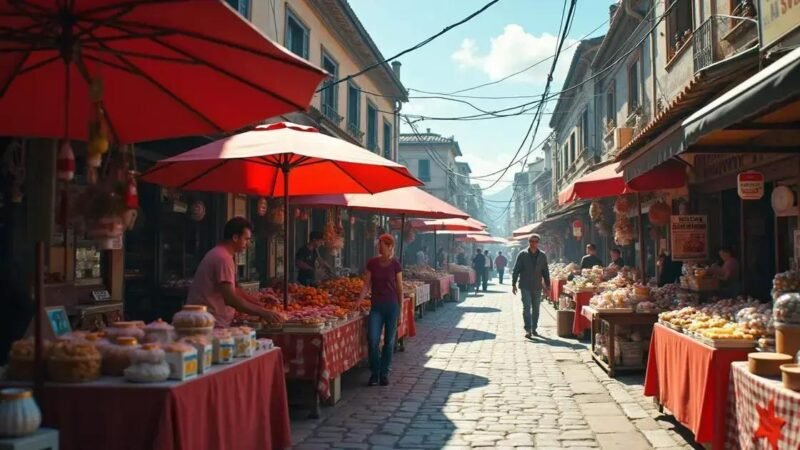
(508, 37)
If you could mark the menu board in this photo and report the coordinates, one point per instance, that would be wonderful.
(689, 237)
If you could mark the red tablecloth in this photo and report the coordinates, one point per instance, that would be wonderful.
(440, 287)
(691, 380)
(556, 288)
(407, 326)
(241, 406)
(749, 393)
(581, 323)
(465, 278)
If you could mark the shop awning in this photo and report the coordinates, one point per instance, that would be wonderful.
(483, 239)
(526, 230)
(448, 225)
(608, 181)
(759, 115)
(411, 201)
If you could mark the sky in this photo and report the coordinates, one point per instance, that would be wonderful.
(509, 36)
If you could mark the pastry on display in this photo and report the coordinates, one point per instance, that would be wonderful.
(20, 359)
(159, 331)
(124, 329)
(561, 271)
(193, 319)
(71, 362)
(117, 355)
(148, 365)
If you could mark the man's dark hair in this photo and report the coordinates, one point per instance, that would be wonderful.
(727, 249)
(478, 250)
(315, 236)
(617, 251)
(591, 246)
(235, 227)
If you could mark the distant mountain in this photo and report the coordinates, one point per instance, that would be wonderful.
(496, 205)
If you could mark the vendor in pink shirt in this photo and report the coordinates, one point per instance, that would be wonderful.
(214, 284)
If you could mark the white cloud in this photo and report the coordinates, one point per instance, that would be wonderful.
(512, 51)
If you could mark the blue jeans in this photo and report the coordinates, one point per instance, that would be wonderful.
(530, 308)
(382, 317)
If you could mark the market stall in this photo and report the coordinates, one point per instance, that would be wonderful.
(438, 282)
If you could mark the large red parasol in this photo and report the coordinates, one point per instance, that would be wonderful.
(281, 160)
(411, 201)
(168, 68)
(608, 181)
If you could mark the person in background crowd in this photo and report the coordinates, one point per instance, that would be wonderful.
(487, 266)
(533, 275)
(670, 270)
(590, 259)
(306, 259)
(214, 284)
(500, 263)
(384, 278)
(616, 258)
(440, 258)
(461, 259)
(479, 265)
(422, 256)
(728, 274)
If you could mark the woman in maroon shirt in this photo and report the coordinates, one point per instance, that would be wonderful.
(384, 277)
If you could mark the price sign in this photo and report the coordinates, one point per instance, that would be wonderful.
(750, 185)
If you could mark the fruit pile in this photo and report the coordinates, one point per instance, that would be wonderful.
(345, 287)
(741, 318)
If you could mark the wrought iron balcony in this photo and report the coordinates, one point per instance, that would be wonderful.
(330, 112)
(721, 37)
(355, 131)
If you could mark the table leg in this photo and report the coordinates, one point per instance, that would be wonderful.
(315, 402)
(612, 355)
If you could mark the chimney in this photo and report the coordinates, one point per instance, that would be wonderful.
(396, 68)
(612, 9)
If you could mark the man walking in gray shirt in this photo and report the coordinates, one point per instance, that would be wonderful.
(532, 273)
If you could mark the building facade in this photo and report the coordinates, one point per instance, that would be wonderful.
(432, 157)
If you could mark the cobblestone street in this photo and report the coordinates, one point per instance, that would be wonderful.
(471, 379)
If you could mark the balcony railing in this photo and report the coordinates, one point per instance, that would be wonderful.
(355, 131)
(720, 37)
(330, 112)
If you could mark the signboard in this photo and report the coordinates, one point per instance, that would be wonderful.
(777, 18)
(750, 185)
(689, 237)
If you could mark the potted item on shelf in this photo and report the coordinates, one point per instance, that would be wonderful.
(19, 414)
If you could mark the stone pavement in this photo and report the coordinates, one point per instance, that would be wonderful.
(471, 379)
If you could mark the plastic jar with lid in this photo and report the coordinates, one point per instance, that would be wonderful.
(159, 331)
(223, 347)
(193, 319)
(124, 329)
(148, 365)
(117, 356)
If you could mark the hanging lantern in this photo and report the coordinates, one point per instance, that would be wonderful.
(596, 211)
(303, 215)
(782, 198)
(659, 213)
(66, 162)
(577, 228)
(622, 205)
(262, 207)
(198, 211)
(132, 192)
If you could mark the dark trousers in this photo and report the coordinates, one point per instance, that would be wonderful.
(478, 278)
(485, 279)
(500, 272)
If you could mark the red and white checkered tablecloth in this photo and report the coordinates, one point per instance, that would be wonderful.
(748, 394)
(407, 325)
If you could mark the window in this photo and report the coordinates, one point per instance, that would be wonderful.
(611, 108)
(387, 140)
(241, 6)
(354, 110)
(633, 87)
(679, 25)
(585, 129)
(572, 157)
(330, 92)
(424, 170)
(565, 157)
(296, 38)
(372, 127)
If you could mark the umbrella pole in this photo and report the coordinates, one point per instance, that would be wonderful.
(642, 259)
(285, 170)
(402, 236)
(435, 250)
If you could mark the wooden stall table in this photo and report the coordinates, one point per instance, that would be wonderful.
(753, 401)
(691, 380)
(580, 324)
(236, 406)
(613, 319)
(320, 357)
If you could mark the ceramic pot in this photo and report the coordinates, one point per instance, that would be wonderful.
(19, 414)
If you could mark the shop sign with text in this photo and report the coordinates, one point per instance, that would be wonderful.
(777, 18)
(750, 185)
(689, 237)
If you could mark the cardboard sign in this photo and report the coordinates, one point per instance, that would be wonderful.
(750, 185)
(689, 237)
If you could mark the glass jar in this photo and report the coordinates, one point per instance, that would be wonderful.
(159, 331)
(19, 414)
(72, 362)
(148, 365)
(193, 319)
(124, 329)
(117, 356)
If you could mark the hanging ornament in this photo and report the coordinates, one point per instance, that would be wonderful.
(622, 205)
(596, 211)
(129, 218)
(303, 215)
(352, 220)
(782, 198)
(65, 163)
(132, 192)
(577, 229)
(198, 211)
(659, 213)
(262, 207)
(105, 230)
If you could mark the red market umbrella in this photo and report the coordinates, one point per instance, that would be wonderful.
(411, 201)
(609, 181)
(281, 160)
(448, 225)
(526, 230)
(483, 239)
(168, 68)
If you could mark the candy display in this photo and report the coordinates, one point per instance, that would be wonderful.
(20, 359)
(148, 365)
(159, 331)
(71, 362)
(223, 347)
(616, 299)
(193, 319)
(741, 319)
(117, 355)
(124, 329)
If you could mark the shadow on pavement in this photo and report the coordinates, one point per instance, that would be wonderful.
(556, 343)
(477, 309)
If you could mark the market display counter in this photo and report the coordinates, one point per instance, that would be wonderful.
(439, 288)
(422, 295)
(468, 278)
(754, 402)
(605, 323)
(691, 379)
(319, 357)
(580, 324)
(242, 405)
(556, 289)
